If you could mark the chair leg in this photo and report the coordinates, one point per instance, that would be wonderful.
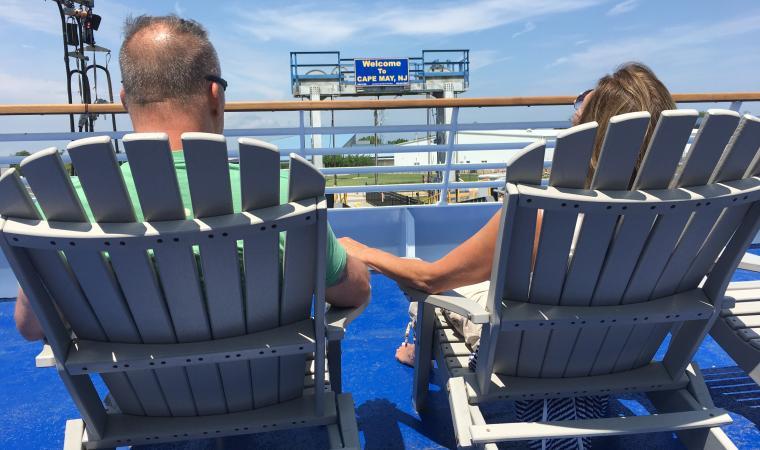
(349, 430)
(333, 434)
(74, 434)
(423, 354)
(694, 397)
(334, 365)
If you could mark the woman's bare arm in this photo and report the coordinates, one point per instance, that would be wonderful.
(26, 322)
(469, 263)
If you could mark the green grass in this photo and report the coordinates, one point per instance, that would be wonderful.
(384, 178)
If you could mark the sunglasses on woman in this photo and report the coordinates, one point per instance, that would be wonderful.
(580, 98)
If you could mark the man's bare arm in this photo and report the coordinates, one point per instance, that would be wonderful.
(468, 263)
(26, 322)
(353, 289)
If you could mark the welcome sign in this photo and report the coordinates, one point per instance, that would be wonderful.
(381, 71)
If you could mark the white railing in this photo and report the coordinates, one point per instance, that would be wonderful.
(304, 133)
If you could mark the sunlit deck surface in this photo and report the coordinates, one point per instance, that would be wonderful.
(34, 405)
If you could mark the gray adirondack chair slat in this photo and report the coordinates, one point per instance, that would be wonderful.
(617, 161)
(711, 142)
(58, 201)
(101, 179)
(152, 168)
(527, 168)
(60, 282)
(683, 233)
(660, 245)
(150, 153)
(740, 152)
(714, 244)
(717, 127)
(708, 146)
(260, 188)
(689, 274)
(107, 196)
(656, 172)
(298, 281)
(671, 134)
(715, 141)
(584, 351)
(508, 349)
(208, 175)
(571, 155)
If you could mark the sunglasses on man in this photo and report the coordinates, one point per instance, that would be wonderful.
(215, 79)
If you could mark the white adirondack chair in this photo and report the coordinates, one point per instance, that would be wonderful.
(738, 328)
(588, 322)
(189, 345)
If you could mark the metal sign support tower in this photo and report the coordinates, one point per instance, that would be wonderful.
(78, 25)
(440, 73)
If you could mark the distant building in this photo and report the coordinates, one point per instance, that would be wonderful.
(512, 137)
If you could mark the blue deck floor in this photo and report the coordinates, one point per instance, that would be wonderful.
(34, 405)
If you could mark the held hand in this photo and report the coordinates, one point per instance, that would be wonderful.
(353, 248)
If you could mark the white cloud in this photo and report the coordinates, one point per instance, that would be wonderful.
(320, 27)
(178, 9)
(255, 120)
(26, 89)
(529, 26)
(483, 58)
(679, 43)
(623, 7)
(37, 16)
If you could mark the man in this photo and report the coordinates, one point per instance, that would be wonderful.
(172, 83)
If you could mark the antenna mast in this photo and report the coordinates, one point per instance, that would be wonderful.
(78, 26)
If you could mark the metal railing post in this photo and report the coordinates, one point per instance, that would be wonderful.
(301, 134)
(451, 138)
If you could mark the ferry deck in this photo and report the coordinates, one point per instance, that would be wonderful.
(34, 405)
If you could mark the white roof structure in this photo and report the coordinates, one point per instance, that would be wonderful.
(512, 137)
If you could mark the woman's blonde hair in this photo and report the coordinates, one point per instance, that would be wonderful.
(633, 87)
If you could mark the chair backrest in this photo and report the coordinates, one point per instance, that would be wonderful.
(172, 292)
(644, 241)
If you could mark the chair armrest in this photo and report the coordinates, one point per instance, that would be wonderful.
(750, 262)
(451, 301)
(45, 358)
(746, 289)
(338, 320)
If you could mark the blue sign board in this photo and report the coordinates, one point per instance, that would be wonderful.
(382, 71)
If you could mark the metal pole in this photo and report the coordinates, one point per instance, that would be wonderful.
(66, 63)
(450, 140)
(735, 106)
(376, 114)
(316, 122)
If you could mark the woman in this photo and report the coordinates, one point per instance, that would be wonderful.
(467, 268)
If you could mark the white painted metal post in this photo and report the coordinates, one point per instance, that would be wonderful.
(448, 92)
(451, 137)
(316, 122)
(301, 134)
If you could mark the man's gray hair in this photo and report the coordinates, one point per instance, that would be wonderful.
(173, 68)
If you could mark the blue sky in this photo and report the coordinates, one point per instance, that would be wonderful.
(518, 47)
